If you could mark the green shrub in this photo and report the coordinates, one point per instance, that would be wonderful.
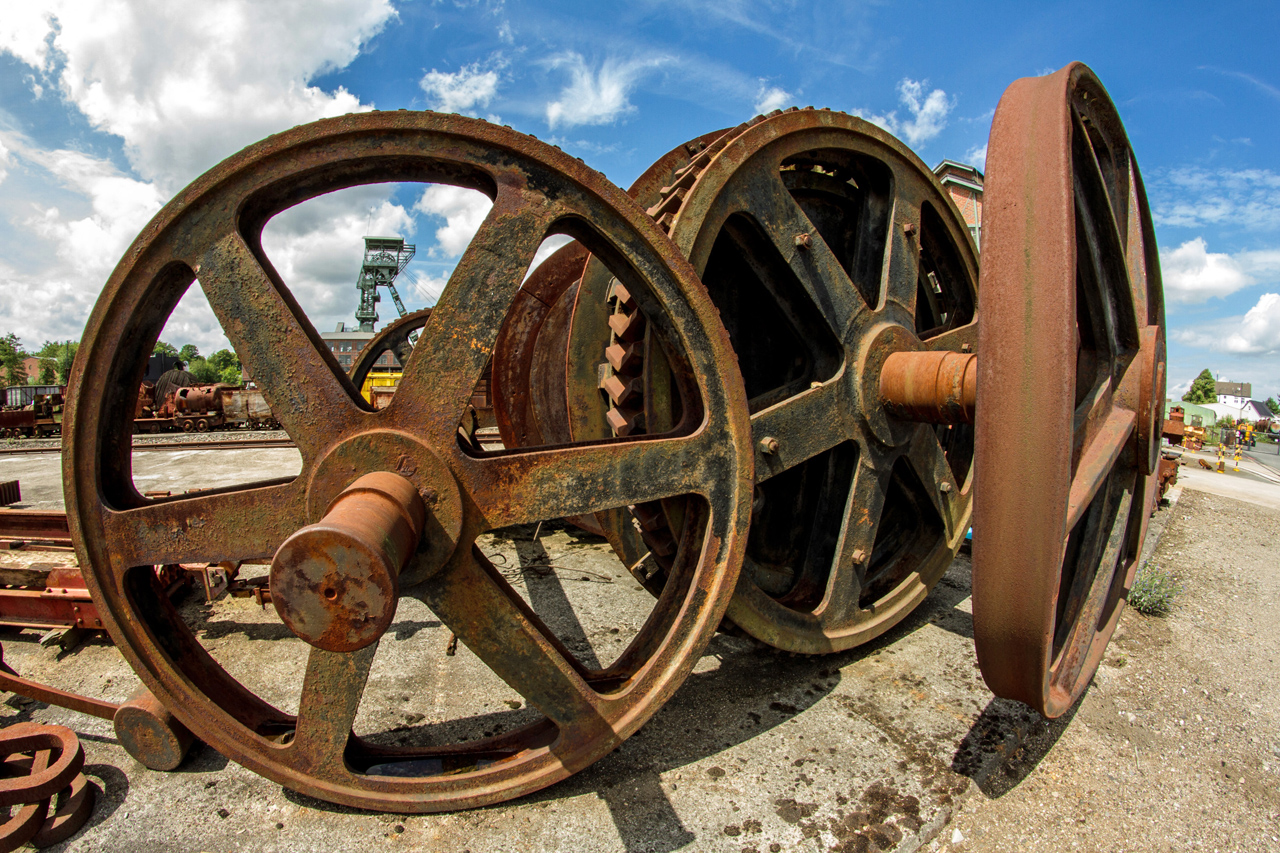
(1154, 590)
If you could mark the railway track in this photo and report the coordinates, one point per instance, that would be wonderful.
(232, 444)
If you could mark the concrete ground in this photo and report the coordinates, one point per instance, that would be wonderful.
(893, 746)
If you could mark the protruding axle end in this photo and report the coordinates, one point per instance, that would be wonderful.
(930, 387)
(335, 583)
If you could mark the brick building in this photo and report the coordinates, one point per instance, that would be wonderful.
(347, 344)
(964, 184)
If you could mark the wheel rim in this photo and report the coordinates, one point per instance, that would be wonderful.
(397, 338)
(211, 230)
(1069, 414)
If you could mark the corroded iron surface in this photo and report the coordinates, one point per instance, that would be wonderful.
(1070, 388)
(211, 232)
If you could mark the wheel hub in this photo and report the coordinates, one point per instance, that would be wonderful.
(410, 459)
(335, 583)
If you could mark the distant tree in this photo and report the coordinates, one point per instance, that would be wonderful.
(1202, 390)
(230, 376)
(224, 358)
(1273, 405)
(12, 371)
(189, 352)
(56, 359)
(202, 371)
(161, 348)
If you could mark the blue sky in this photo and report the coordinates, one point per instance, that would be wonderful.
(108, 107)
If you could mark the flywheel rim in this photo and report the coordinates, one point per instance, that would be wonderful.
(1068, 235)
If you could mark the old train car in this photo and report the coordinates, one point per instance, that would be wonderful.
(31, 411)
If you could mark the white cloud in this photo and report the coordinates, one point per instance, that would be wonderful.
(596, 96)
(1192, 274)
(24, 28)
(977, 156)
(771, 98)
(463, 211)
(317, 246)
(5, 161)
(120, 206)
(182, 86)
(230, 75)
(461, 91)
(1259, 330)
(928, 113)
(1196, 197)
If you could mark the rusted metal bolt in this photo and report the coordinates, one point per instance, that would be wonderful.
(335, 583)
(803, 241)
(966, 348)
(859, 557)
(769, 445)
(908, 228)
(944, 487)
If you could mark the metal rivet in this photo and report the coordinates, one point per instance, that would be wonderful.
(804, 241)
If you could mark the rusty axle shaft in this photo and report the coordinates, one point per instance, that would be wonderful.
(936, 387)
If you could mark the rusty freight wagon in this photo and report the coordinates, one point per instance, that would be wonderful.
(31, 410)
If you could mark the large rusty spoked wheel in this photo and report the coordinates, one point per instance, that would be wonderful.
(1070, 389)
(396, 338)
(827, 246)
(389, 503)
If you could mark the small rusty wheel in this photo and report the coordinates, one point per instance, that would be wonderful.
(826, 245)
(1070, 388)
(396, 338)
(389, 503)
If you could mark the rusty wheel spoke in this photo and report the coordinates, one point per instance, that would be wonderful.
(857, 540)
(1098, 458)
(491, 619)
(798, 242)
(277, 345)
(1102, 540)
(456, 345)
(235, 525)
(530, 486)
(331, 692)
(811, 422)
(955, 340)
(929, 461)
(902, 275)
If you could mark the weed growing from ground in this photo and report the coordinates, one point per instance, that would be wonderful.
(1154, 590)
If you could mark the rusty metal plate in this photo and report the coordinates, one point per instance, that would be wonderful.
(1070, 388)
(211, 232)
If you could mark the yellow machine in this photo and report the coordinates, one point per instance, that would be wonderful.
(385, 385)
